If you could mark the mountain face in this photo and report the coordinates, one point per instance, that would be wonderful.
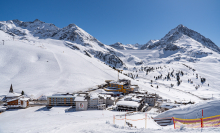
(73, 37)
(120, 46)
(151, 42)
(182, 44)
(168, 42)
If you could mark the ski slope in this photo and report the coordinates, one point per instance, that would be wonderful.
(47, 66)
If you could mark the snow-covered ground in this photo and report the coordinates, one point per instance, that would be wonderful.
(207, 67)
(210, 108)
(59, 120)
(47, 66)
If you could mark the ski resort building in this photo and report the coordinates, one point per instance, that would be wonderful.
(112, 94)
(95, 102)
(151, 99)
(100, 101)
(61, 100)
(81, 103)
(128, 106)
(101, 106)
(122, 85)
(19, 102)
(131, 102)
(134, 88)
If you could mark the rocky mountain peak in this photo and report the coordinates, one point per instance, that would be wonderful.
(37, 20)
(70, 26)
(180, 31)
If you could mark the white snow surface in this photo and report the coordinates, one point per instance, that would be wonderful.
(47, 66)
(62, 119)
(210, 108)
(128, 103)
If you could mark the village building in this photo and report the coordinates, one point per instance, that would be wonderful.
(134, 88)
(112, 94)
(122, 85)
(12, 95)
(95, 101)
(100, 101)
(128, 106)
(19, 102)
(81, 103)
(101, 106)
(151, 99)
(132, 102)
(61, 100)
(110, 101)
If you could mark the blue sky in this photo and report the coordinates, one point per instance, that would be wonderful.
(125, 21)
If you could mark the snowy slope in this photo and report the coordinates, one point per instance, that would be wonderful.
(180, 48)
(210, 108)
(47, 66)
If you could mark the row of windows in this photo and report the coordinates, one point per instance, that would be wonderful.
(61, 98)
(61, 103)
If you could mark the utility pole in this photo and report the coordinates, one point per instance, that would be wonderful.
(118, 73)
(3, 42)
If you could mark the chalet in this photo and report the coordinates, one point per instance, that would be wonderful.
(19, 102)
(12, 95)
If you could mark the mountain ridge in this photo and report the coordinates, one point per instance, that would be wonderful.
(167, 42)
(71, 33)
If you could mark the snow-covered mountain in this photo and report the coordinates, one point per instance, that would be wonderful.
(169, 41)
(151, 42)
(182, 44)
(120, 46)
(73, 37)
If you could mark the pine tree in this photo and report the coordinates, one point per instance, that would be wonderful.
(11, 89)
(22, 93)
